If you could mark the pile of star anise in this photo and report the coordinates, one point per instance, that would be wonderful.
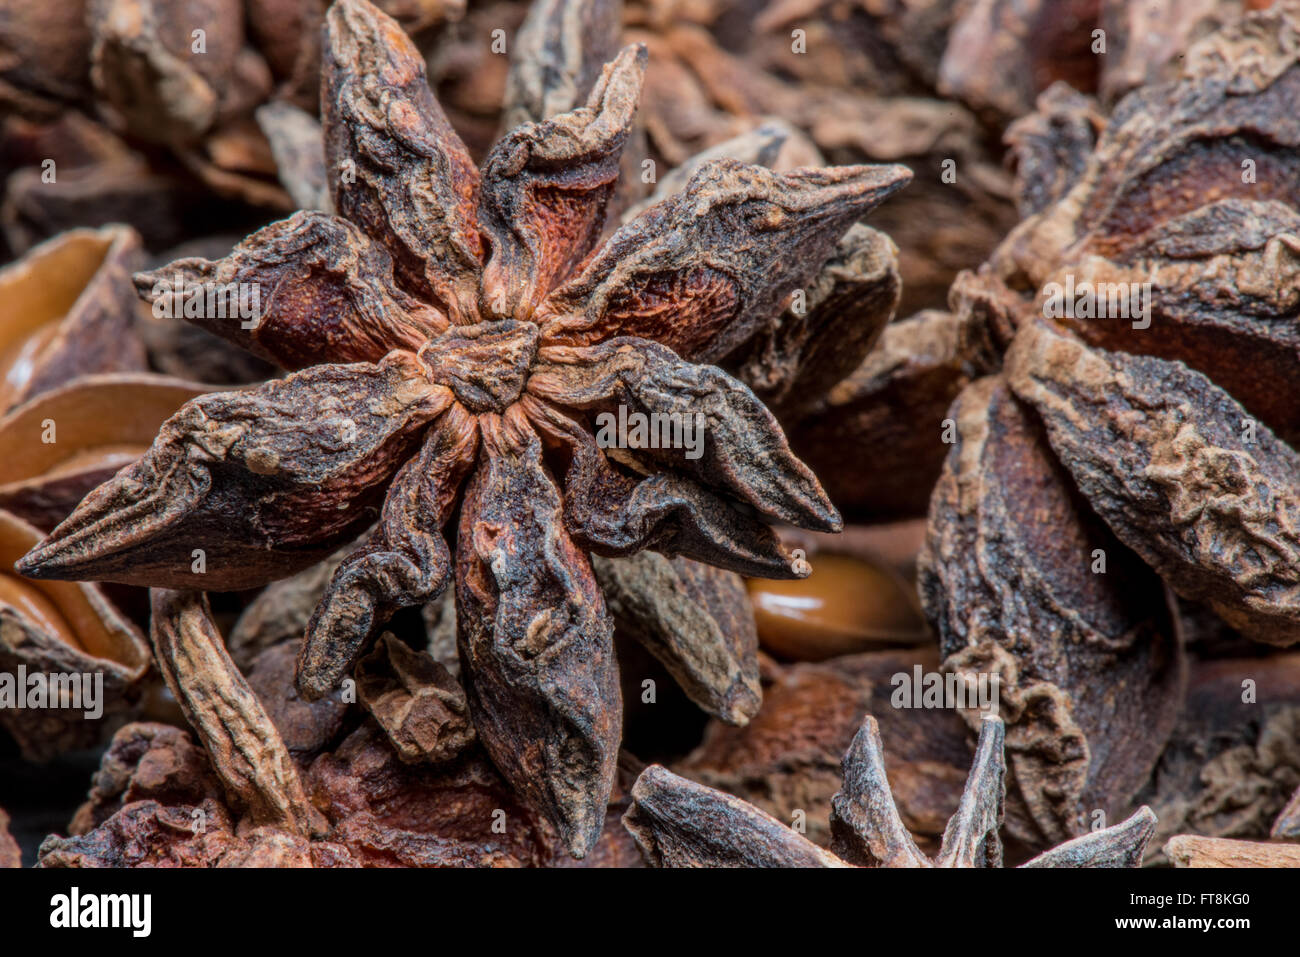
(585, 433)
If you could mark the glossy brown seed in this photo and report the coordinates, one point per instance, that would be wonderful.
(847, 605)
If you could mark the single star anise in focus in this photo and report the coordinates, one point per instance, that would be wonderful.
(679, 823)
(455, 324)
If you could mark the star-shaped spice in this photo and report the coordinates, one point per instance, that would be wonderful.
(679, 823)
(459, 326)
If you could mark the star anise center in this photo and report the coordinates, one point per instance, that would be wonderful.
(485, 365)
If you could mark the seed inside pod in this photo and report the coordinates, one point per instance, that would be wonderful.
(846, 605)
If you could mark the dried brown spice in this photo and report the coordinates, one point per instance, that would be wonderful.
(1233, 759)
(61, 628)
(244, 746)
(871, 439)
(69, 333)
(787, 759)
(482, 334)
(1160, 452)
(695, 620)
(1190, 850)
(721, 73)
(99, 424)
(1002, 53)
(560, 50)
(420, 706)
(67, 309)
(1101, 430)
(305, 727)
(160, 800)
(678, 823)
(1191, 189)
(1091, 672)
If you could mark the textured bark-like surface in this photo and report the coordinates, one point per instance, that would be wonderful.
(150, 834)
(421, 707)
(696, 620)
(789, 756)
(255, 479)
(678, 823)
(306, 727)
(397, 169)
(613, 512)
(1189, 850)
(1121, 845)
(162, 85)
(875, 441)
(329, 294)
(1022, 581)
(1180, 472)
(743, 451)
(559, 53)
(245, 749)
(1233, 759)
(1147, 39)
(404, 562)
(57, 629)
(535, 640)
(1184, 221)
(776, 144)
(281, 611)
(147, 761)
(157, 802)
(866, 828)
(545, 189)
(706, 269)
(1051, 146)
(828, 330)
(991, 64)
(66, 310)
(447, 282)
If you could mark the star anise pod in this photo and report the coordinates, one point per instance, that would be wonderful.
(459, 326)
(1126, 447)
(77, 407)
(265, 779)
(679, 823)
